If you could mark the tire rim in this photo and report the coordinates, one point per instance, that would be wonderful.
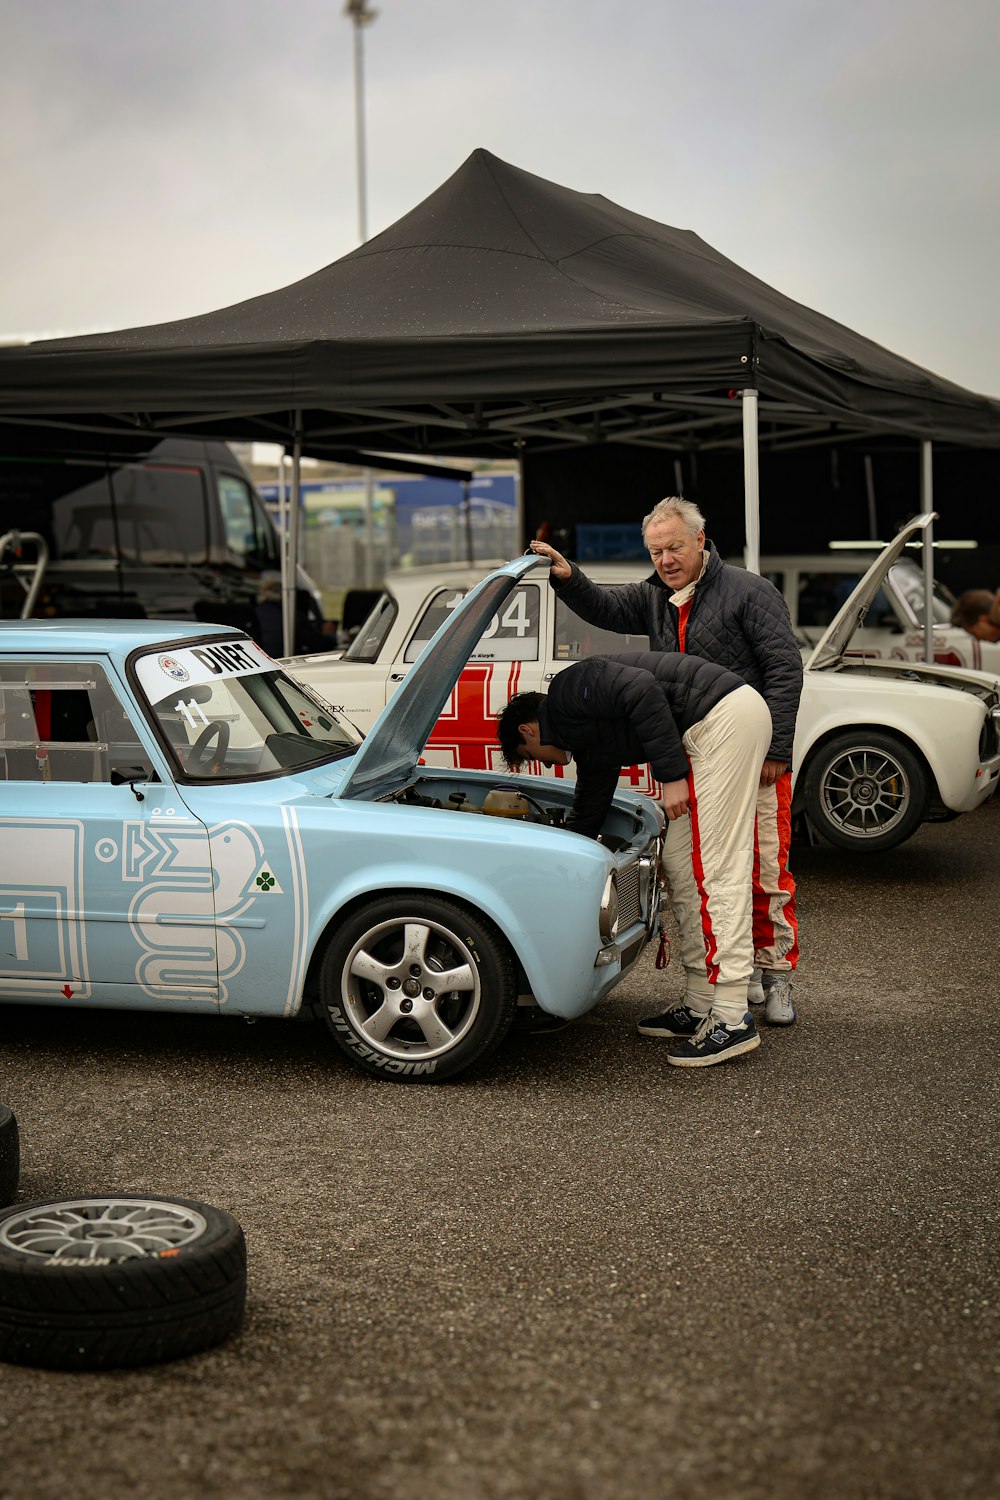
(411, 988)
(865, 792)
(87, 1229)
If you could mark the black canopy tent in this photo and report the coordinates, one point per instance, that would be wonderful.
(505, 316)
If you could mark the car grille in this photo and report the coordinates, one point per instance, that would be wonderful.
(629, 898)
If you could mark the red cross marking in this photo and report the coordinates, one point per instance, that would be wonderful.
(467, 727)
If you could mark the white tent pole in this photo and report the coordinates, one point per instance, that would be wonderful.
(927, 504)
(751, 481)
(291, 580)
(283, 516)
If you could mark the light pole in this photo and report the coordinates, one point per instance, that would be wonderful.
(362, 14)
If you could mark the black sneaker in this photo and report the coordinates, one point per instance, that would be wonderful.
(677, 1022)
(715, 1042)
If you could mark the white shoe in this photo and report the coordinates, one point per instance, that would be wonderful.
(778, 1007)
(755, 994)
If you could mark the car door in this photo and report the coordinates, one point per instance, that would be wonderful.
(105, 891)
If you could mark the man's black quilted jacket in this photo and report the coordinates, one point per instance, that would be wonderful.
(737, 619)
(615, 711)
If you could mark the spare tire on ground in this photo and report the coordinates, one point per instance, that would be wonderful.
(115, 1279)
(10, 1155)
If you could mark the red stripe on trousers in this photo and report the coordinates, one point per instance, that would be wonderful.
(711, 946)
(763, 925)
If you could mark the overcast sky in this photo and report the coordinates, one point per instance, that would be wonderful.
(159, 158)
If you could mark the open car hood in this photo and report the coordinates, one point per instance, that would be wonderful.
(396, 740)
(837, 636)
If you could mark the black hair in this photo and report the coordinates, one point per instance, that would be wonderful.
(522, 709)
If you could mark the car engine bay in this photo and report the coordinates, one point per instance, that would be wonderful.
(544, 805)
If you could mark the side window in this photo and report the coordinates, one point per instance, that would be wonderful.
(822, 594)
(512, 634)
(160, 514)
(63, 721)
(248, 533)
(576, 639)
(370, 638)
(82, 529)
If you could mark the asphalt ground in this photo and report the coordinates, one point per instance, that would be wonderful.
(579, 1273)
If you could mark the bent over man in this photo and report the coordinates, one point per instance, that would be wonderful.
(704, 734)
(695, 602)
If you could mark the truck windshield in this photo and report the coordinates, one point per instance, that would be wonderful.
(226, 711)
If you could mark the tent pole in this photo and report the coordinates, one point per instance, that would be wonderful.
(283, 516)
(291, 581)
(870, 490)
(751, 481)
(519, 496)
(927, 504)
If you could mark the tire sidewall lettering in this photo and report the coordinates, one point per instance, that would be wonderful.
(370, 1057)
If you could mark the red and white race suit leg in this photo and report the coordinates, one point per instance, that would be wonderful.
(708, 856)
(775, 926)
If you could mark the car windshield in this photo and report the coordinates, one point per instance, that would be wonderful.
(225, 710)
(367, 644)
(908, 580)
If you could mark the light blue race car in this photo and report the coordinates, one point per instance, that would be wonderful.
(185, 827)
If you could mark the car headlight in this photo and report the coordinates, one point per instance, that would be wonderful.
(609, 909)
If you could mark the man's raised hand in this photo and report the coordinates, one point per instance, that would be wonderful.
(558, 564)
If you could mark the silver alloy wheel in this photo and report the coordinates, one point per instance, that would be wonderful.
(411, 988)
(83, 1229)
(866, 791)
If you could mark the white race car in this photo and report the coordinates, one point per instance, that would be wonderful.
(881, 744)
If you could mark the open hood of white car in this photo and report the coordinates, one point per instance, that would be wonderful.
(837, 637)
(396, 740)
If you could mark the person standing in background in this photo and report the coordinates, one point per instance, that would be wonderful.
(978, 612)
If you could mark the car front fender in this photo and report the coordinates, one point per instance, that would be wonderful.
(540, 887)
(942, 725)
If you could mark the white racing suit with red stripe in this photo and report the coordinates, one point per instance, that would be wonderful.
(689, 719)
(708, 856)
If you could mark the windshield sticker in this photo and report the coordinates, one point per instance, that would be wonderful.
(159, 674)
(173, 668)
